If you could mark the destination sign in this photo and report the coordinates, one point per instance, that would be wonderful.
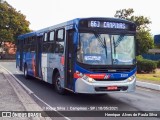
(112, 25)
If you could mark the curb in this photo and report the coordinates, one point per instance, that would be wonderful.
(5, 60)
(33, 106)
(148, 85)
(24, 97)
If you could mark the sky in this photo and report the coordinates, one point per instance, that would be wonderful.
(44, 13)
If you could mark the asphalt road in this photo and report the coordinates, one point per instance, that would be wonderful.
(141, 100)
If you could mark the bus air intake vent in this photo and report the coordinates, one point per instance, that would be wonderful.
(109, 70)
(119, 79)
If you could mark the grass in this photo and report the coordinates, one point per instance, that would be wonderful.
(151, 77)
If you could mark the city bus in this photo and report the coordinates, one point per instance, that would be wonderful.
(84, 55)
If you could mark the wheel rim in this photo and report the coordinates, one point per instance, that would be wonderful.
(58, 83)
(25, 72)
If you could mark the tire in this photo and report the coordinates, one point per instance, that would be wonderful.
(26, 72)
(57, 84)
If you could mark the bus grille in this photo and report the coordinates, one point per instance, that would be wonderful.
(109, 70)
(119, 79)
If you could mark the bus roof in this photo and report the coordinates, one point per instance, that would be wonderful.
(26, 35)
(74, 21)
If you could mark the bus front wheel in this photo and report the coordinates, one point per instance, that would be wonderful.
(57, 83)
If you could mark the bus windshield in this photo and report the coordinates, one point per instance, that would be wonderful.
(106, 49)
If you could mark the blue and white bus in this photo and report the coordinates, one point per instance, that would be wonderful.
(83, 55)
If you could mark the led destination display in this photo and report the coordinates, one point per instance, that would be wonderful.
(112, 25)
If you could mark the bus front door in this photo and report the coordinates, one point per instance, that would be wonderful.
(69, 60)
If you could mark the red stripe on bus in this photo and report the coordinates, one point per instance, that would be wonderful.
(96, 76)
(76, 75)
(62, 60)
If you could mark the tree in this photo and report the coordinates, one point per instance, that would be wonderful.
(144, 39)
(12, 23)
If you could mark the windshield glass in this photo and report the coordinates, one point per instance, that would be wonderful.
(105, 49)
(123, 49)
(94, 49)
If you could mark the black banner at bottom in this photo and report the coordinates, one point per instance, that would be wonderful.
(80, 113)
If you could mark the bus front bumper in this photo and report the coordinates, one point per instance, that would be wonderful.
(101, 87)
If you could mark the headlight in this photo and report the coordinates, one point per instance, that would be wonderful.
(90, 80)
(85, 77)
(131, 78)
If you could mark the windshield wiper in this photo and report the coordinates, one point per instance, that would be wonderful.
(103, 44)
(105, 47)
(100, 40)
(120, 38)
(114, 43)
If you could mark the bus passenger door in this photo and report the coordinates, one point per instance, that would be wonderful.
(69, 60)
(38, 56)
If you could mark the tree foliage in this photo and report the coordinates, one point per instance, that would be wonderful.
(144, 39)
(12, 22)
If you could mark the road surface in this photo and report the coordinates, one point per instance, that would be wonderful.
(141, 100)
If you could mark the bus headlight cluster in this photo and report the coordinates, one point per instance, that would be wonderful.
(85, 77)
(131, 78)
(88, 79)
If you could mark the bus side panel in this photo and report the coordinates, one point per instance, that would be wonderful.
(44, 66)
(38, 59)
(30, 62)
(39, 70)
(49, 63)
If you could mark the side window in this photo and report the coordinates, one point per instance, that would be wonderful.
(32, 44)
(25, 41)
(51, 36)
(60, 35)
(29, 44)
(60, 41)
(26, 45)
(45, 47)
(48, 42)
(45, 37)
(48, 47)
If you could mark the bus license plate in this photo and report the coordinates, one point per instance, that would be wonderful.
(112, 88)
